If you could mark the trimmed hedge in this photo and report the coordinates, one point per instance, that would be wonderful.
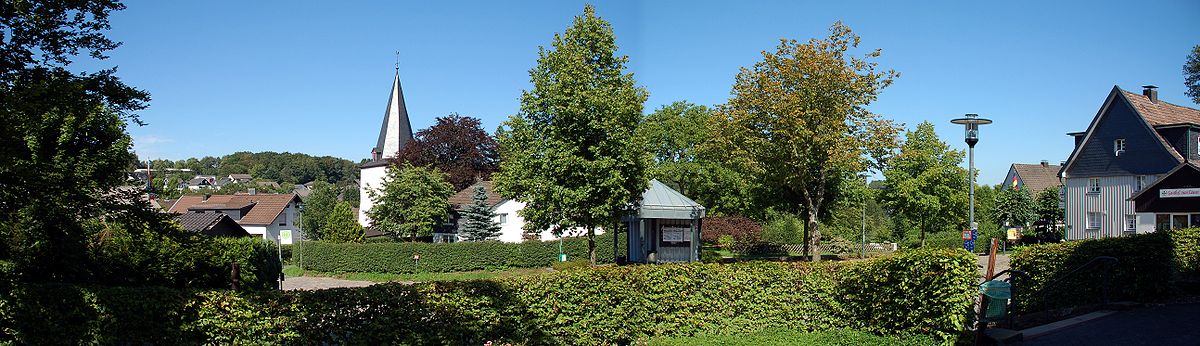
(397, 257)
(926, 292)
(792, 337)
(1150, 267)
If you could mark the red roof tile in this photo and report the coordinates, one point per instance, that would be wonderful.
(1162, 113)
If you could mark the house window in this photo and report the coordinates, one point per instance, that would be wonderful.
(283, 219)
(1118, 146)
(1130, 223)
(1093, 185)
(1093, 220)
(502, 219)
(1141, 183)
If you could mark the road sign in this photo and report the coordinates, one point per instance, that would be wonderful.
(285, 237)
(966, 235)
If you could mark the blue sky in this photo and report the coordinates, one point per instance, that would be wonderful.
(313, 77)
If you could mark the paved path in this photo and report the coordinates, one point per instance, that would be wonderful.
(1174, 324)
(1001, 263)
(320, 283)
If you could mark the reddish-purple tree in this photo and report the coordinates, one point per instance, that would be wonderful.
(456, 145)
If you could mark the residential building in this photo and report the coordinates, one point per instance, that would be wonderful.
(199, 182)
(506, 213)
(394, 134)
(1033, 177)
(213, 224)
(1131, 142)
(263, 215)
(1174, 199)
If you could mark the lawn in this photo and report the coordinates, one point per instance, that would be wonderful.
(791, 337)
(294, 271)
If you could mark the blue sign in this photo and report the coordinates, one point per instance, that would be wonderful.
(969, 244)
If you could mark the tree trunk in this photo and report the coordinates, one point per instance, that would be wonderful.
(592, 244)
(816, 237)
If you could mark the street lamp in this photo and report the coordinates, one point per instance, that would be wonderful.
(971, 123)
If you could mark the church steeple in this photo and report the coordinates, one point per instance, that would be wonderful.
(396, 131)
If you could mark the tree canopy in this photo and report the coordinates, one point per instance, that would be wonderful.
(676, 135)
(456, 145)
(1191, 74)
(411, 201)
(63, 142)
(268, 165)
(317, 209)
(340, 226)
(926, 189)
(571, 153)
(797, 123)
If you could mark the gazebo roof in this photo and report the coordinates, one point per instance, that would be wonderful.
(662, 202)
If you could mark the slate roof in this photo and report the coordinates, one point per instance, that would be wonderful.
(1037, 177)
(268, 183)
(240, 176)
(1162, 113)
(202, 222)
(266, 206)
(467, 195)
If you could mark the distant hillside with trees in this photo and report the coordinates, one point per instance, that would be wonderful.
(268, 165)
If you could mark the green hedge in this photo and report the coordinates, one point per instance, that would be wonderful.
(397, 257)
(793, 337)
(926, 292)
(257, 258)
(1150, 267)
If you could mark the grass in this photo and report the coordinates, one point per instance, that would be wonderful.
(293, 271)
(792, 337)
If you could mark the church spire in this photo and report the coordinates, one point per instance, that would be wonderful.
(396, 131)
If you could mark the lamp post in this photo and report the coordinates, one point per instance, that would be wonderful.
(971, 123)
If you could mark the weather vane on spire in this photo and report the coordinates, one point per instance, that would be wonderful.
(397, 60)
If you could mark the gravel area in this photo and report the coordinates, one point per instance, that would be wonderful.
(1001, 263)
(320, 283)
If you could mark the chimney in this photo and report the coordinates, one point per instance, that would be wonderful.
(250, 191)
(1151, 92)
(206, 196)
(1045, 163)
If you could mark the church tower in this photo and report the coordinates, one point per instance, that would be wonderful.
(394, 134)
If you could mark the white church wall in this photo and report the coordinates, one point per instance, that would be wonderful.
(370, 179)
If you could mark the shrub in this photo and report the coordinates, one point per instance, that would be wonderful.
(257, 258)
(784, 229)
(740, 228)
(710, 256)
(918, 292)
(793, 337)
(1149, 267)
(571, 264)
(397, 257)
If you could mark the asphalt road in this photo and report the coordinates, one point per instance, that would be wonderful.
(1166, 325)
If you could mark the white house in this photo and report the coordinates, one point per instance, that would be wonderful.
(506, 213)
(262, 215)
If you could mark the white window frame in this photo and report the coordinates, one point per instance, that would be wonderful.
(502, 218)
(1130, 223)
(1092, 218)
(1118, 146)
(1093, 186)
(1140, 184)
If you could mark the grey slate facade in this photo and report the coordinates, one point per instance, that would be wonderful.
(1133, 140)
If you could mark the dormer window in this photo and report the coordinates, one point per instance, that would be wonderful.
(1118, 146)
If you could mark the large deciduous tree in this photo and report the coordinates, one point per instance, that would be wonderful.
(411, 201)
(797, 123)
(317, 207)
(63, 145)
(478, 220)
(456, 145)
(571, 153)
(1014, 208)
(925, 187)
(676, 134)
(1047, 210)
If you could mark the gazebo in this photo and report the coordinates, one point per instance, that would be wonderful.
(665, 227)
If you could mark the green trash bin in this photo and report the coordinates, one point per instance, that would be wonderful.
(997, 294)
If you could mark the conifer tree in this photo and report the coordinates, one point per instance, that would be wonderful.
(478, 220)
(341, 227)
